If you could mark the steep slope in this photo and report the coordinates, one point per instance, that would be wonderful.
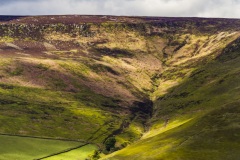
(90, 78)
(198, 118)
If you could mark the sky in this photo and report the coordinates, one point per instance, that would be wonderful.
(162, 8)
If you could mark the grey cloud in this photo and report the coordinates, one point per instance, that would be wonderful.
(176, 8)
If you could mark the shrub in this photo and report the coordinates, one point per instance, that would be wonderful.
(110, 143)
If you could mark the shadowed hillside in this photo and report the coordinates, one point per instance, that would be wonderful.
(164, 88)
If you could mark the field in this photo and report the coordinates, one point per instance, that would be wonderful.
(26, 148)
(77, 154)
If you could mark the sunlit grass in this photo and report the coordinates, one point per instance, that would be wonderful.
(76, 154)
(24, 148)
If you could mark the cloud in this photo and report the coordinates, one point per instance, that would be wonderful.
(171, 8)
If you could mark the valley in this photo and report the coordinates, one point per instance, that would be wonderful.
(130, 87)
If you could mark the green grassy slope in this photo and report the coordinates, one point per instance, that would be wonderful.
(198, 119)
(77, 154)
(37, 112)
(25, 148)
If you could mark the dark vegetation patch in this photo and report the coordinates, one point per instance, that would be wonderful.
(103, 68)
(9, 18)
(143, 109)
(116, 52)
(37, 32)
(95, 100)
(232, 51)
(6, 86)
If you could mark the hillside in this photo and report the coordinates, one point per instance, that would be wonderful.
(167, 88)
